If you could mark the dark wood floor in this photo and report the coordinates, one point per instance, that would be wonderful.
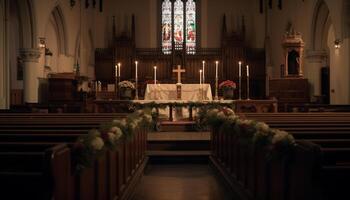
(180, 182)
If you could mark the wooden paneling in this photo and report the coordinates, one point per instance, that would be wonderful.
(233, 50)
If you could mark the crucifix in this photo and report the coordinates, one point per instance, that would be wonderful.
(179, 71)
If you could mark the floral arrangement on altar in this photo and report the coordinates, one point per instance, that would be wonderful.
(107, 137)
(228, 84)
(126, 84)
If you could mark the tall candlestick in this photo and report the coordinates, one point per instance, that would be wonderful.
(200, 85)
(216, 68)
(155, 75)
(240, 80)
(136, 77)
(203, 68)
(247, 82)
(119, 64)
(116, 70)
(216, 80)
(239, 68)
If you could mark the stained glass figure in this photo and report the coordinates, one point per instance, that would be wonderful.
(190, 27)
(166, 27)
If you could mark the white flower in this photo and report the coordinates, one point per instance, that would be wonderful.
(132, 126)
(232, 118)
(228, 111)
(116, 131)
(139, 112)
(279, 136)
(262, 128)
(111, 136)
(221, 115)
(97, 143)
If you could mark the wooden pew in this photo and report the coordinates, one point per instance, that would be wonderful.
(28, 170)
(120, 167)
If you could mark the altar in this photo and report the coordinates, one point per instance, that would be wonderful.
(190, 92)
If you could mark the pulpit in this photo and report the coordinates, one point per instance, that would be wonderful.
(62, 87)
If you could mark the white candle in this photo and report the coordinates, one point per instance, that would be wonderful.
(116, 70)
(136, 70)
(239, 68)
(247, 70)
(155, 75)
(216, 69)
(119, 64)
(200, 77)
(203, 68)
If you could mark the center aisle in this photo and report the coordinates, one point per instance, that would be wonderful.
(180, 182)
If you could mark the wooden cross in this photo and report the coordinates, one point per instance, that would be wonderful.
(179, 71)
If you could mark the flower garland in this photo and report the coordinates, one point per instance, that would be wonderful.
(88, 147)
(256, 133)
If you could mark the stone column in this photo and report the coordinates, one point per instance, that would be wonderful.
(4, 56)
(316, 60)
(30, 74)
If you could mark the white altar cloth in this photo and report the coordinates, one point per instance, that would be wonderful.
(167, 92)
(191, 92)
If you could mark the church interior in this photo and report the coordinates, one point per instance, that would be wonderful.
(174, 99)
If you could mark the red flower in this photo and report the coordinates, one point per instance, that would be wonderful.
(227, 85)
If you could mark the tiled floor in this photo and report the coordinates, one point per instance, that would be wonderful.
(180, 182)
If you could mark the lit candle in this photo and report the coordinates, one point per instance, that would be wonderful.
(155, 75)
(203, 68)
(99, 86)
(119, 64)
(136, 70)
(200, 77)
(116, 70)
(216, 69)
(247, 70)
(239, 68)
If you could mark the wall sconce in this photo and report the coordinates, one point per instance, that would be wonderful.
(42, 42)
(337, 44)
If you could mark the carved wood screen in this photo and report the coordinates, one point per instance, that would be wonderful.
(233, 49)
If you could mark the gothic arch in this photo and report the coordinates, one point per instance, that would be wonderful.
(60, 27)
(321, 23)
(27, 23)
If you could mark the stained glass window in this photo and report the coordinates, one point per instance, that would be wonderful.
(175, 28)
(166, 27)
(190, 26)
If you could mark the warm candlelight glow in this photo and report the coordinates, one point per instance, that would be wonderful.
(155, 74)
(119, 64)
(203, 68)
(136, 70)
(239, 68)
(216, 69)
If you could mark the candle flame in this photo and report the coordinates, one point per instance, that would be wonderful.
(240, 62)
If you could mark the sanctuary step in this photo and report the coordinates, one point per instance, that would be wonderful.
(168, 126)
(178, 144)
